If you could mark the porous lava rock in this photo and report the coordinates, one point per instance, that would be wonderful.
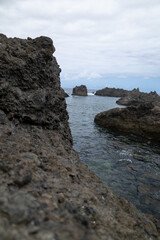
(143, 120)
(80, 90)
(45, 191)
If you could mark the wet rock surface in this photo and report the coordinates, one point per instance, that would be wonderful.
(80, 90)
(45, 191)
(143, 120)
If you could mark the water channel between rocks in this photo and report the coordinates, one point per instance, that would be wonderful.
(129, 165)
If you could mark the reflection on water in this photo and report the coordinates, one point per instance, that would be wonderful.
(128, 164)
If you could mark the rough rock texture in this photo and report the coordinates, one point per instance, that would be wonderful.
(143, 120)
(29, 84)
(80, 90)
(112, 92)
(46, 193)
(135, 97)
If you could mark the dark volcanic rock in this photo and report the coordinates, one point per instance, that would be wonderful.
(135, 97)
(45, 191)
(29, 83)
(128, 98)
(64, 94)
(80, 90)
(112, 92)
(143, 120)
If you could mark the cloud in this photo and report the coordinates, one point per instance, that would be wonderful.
(100, 38)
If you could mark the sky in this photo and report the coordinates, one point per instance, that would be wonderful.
(99, 43)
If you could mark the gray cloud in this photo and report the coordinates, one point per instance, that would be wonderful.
(94, 38)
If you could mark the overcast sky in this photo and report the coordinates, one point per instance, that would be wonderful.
(98, 42)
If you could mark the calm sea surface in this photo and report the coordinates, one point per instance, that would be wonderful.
(129, 165)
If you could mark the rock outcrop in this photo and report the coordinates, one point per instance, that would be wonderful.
(64, 94)
(128, 98)
(135, 97)
(45, 191)
(80, 90)
(143, 120)
(112, 92)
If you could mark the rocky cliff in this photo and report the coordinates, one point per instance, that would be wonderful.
(45, 191)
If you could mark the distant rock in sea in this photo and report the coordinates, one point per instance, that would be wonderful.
(135, 98)
(80, 90)
(112, 92)
(130, 97)
(143, 120)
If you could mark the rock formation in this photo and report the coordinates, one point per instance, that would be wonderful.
(45, 191)
(112, 92)
(128, 98)
(80, 90)
(64, 93)
(143, 120)
(136, 97)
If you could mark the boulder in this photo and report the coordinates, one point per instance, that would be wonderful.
(143, 120)
(80, 90)
(46, 192)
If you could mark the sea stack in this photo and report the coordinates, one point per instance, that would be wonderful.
(46, 192)
(80, 91)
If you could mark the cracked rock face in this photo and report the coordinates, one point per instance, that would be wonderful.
(46, 193)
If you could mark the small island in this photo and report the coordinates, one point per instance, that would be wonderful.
(80, 91)
(112, 92)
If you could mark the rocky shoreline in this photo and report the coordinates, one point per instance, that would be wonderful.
(45, 191)
(141, 117)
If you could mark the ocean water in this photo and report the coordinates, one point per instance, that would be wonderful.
(129, 165)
